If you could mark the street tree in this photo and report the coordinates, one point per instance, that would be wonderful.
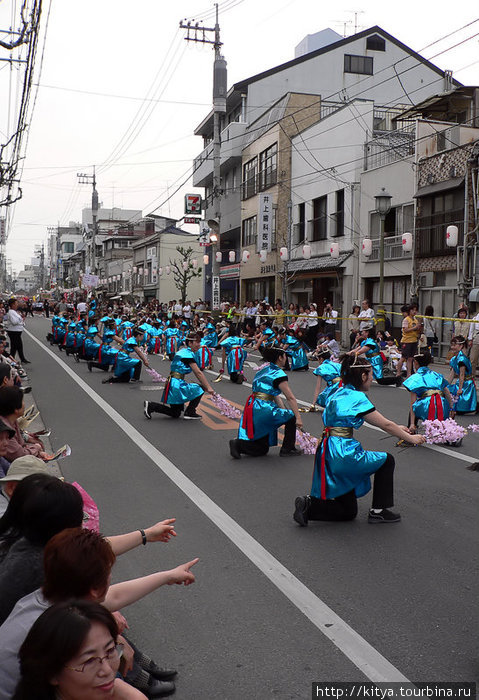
(183, 270)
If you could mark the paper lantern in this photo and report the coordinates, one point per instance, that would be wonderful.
(185, 265)
(262, 255)
(451, 236)
(306, 252)
(219, 257)
(231, 256)
(367, 247)
(160, 271)
(246, 255)
(195, 264)
(206, 259)
(407, 242)
(283, 254)
(167, 269)
(334, 250)
(135, 269)
(145, 272)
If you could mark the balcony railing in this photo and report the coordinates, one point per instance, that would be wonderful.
(388, 147)
(431, 233)
(393, 249)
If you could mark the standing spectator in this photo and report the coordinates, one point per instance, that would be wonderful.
(430, 329)
(410, 334)
(29, 306)
(187, 312)
(279, 317)
(473, 338)
(177, 308)
(461, 326)
(353, 325)
(46, 308)
(15, 324)
(82, 307)
(312, 326)
(366, 316)
(330, 317)
(62, 306)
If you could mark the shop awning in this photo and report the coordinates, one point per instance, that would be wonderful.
(325, 262)
(437, 187)
(474, 295)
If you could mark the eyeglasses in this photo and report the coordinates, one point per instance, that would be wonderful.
(91, 666)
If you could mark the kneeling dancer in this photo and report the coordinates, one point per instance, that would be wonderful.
(342, 468)
(178, 392)
(264, 412)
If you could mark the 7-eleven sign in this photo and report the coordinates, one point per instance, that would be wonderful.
(192, 204)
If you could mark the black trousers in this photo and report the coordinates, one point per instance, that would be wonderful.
(387, 380)
(346, 507)
(16, 344)
(173, 410)
(122, 378)
(260, 447)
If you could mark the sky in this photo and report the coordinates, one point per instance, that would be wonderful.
(100, 59)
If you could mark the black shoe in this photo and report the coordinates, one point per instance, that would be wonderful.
(385, 516)
(159, 689)
(26, 389)
(106, 381)
(26, 362)
(77, 358)
(234, 451)
(399, 381)
(294, 452)
(146, 409)
(161, 674)
(89, 365)
(241, 378)
(192, 416)
(301, 505)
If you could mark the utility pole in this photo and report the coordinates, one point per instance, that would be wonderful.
(91, 180)
(197, 33)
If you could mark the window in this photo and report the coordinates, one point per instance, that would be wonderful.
(234, 183)
(68, 248)
(375, 43)
(301, 225)
(249, 231)
(268, 167)
(249, 178)
(435, 214)
(320, 211)
(337, 219)
(358, 64)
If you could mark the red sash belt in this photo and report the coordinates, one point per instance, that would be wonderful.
(99, 353)
(435, 408)
(128, 333)
(157, 344)
(237, 358)
(247, 422)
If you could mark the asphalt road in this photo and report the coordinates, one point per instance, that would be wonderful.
(255, 624)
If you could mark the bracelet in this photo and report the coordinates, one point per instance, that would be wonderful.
(143, 536)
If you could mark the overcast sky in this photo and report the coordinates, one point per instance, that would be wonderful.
(103, 57)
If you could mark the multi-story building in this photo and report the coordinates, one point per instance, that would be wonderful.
(371, 65)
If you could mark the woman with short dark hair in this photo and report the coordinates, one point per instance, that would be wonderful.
(71, 652)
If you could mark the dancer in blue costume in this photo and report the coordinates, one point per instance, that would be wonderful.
(177, 391)
(210, 337)
(204, 354)
(126, 368)
(106, 355)
(430, 396)
(370, 349)
(90, 346)
(69, 340)
(266, 338)
(234, 355)
(172, 339)
(342, 467)
(330, 372)
(295, 349)
(264, 412)
(464, 388)
(61, 330)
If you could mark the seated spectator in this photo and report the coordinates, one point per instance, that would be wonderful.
(64, 655)
(40, 507)
(77, 564)
(15, 472)
(12, 408)
(5, 434)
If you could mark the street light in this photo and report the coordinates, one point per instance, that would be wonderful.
(383, 207)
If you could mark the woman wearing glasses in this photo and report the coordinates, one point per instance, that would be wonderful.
(71, 653)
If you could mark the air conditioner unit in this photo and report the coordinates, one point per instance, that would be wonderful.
(426, 279)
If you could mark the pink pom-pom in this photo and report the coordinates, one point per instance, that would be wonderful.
(225, 408)
(155, 376)
(440, 432)
(306, 442)
(265, 364)
(473, 427)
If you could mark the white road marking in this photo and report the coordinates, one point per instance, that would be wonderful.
(364, 656)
